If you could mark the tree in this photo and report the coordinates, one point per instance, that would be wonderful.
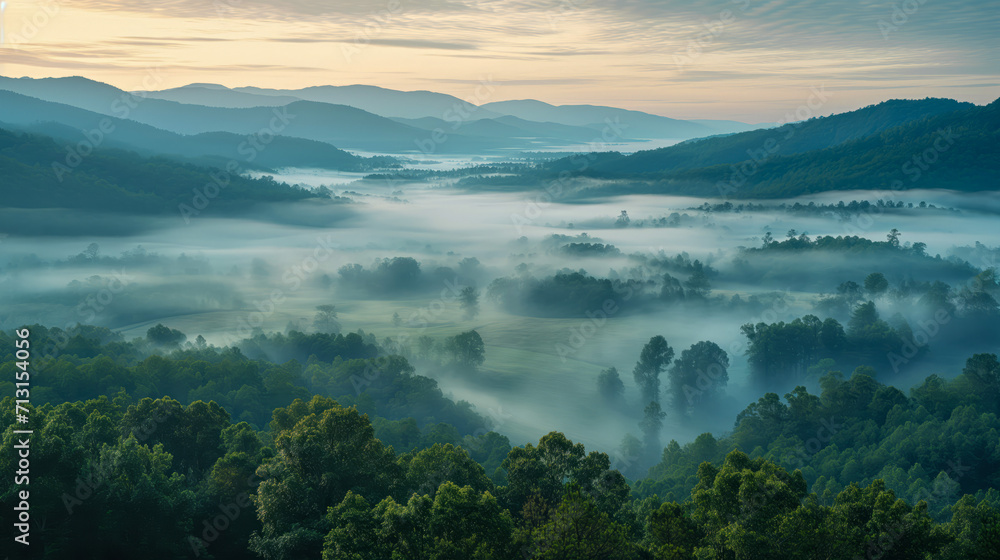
(610, 386)
(536, 474)
(893, 237)
(457, 523)
(425, 346)
(850, 291)
(655, 356)
(863, 317)
(652, 424)
(983, 373)
(325, 320)
(672, 533)
(873, 521)
(740, 505)
(164, 336)
(468, 299)
(468, 349)
(875, 283)
(92, 251)
(431, 467)
(697, 284)
(328, 451)
(579, 531)
(698, 375)
(623, 219)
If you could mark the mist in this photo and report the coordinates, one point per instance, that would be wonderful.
(392, 257)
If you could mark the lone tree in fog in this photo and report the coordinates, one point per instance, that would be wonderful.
(610, 386)
(92, 251)
(468, 299)
(325, 320)
(875, 283)
(623, 219)
(652, 423)
(468, 349)
(655, 357)
(893, 237)
(698, 375)
(164, 336)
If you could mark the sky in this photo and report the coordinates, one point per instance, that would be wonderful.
(750, 60)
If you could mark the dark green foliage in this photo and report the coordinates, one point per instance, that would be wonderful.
(571, 294)
(654, 358)
(698, 375)
(467, 349)
(859, 471)
(328, 451)
(781, 354)
(871, 148)
(164, 336)
(610, 386)
(117, 181)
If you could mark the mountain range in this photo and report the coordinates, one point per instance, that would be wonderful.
(925, 143)
(894, 145)
(363, 118)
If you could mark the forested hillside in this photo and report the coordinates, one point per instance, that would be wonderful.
(39, 173)
(897, 145)
(161, 448)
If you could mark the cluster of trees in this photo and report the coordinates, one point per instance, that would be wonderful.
(401, 275)
(568, 293)
(155, 479)
(697, 377)
(785, 354)
(250, 379)
(976, 300)
(936, 445)
(121, 476)
(623, 220)
(590, 250)
(796, 241)
(565, 294)
(842, 210)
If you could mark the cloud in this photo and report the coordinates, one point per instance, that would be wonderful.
(731, 48)
(422, 44)
(261, 9)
